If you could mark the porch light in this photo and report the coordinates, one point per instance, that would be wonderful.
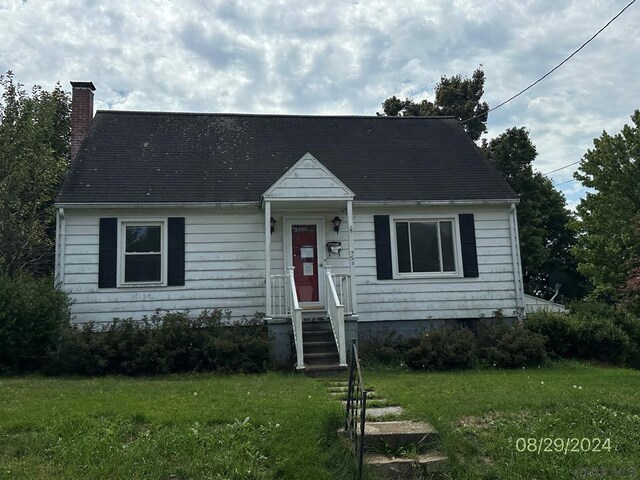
(273, 224)
(336, 223)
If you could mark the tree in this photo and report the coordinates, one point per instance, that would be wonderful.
(34, 156)
(456, 96)
(543, 218)
(608, 245)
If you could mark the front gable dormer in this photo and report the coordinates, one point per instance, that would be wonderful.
(308, 179)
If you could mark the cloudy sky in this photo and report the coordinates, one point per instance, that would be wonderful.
(341, 57)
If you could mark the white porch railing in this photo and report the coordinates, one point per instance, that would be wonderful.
(284, 303)
(279, 307)
(335, 311)
(296, 319)
(342, 282)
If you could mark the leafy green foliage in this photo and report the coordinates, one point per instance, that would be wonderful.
(33, 315)
(592, 332)
(385, 349)
(444, 349)
(546, 238)
(456, 96)
(167, 342)
(608, 245)
(34, 156)
(511, 346)
(559, 329)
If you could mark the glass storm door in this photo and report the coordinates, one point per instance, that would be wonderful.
(304, 242)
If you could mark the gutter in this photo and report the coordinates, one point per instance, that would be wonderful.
(86, 205)
(515, 259)
(259, 203)
(425, 203)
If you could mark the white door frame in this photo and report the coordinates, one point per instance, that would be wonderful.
(319, 222)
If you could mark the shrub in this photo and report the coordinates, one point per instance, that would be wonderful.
(166, 342)
(631, 326)
(560, 329)
(385, 349)
(512, 346)
(601, 339)
(592, 331)
(443, 349)
(33, 314)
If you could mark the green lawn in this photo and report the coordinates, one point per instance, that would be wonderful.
(482, 414)
(177, 427)
(194, 427)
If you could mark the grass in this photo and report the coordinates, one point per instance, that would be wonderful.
(177, 427)
(482, 414)
(284, 426)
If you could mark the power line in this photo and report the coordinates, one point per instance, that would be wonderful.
(563, 183)
(554, 68)
(541, 189)
(562, 168)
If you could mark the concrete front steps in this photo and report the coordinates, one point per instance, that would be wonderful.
(319, 346)
(394, 447)
(407, 467)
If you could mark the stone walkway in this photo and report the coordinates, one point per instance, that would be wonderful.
(397, 447)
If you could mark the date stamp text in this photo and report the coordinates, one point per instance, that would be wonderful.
(562, 445)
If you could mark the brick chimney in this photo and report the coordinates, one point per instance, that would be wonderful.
(81, 114)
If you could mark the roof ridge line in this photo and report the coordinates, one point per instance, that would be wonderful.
(281, 115)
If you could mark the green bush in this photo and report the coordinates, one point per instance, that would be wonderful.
(592, 331)
(385, 349)
(512, 346)
(444, 349)
(560, 329)
(166, 342)
(601, 339)
(33, 315)
(631, 326)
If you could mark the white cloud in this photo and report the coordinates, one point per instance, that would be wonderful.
(336, 57)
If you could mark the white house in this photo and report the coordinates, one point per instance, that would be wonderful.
(375, 223)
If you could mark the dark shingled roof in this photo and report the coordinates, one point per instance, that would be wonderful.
(188, 157)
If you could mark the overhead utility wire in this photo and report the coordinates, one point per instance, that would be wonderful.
(562, 168)
(554, 68)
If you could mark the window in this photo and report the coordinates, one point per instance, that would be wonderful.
(425, 247)
(143, 253)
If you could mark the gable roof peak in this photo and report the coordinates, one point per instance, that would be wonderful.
(308, 178)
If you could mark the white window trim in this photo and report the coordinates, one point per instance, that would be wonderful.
(457, 250)
(164, 240)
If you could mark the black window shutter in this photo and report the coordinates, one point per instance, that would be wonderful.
(175, 260)
(383, 247)
(468, 244)
(107, 252)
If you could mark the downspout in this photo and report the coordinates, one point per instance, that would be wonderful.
(267, 257)
(61, 225)
(515, 259)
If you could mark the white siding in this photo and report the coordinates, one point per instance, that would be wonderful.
(426, 298)
(224, 265)
(307, 179)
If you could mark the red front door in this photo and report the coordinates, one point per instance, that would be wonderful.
(304, 240)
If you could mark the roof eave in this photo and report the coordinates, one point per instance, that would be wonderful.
(420, 203)
(154, 204)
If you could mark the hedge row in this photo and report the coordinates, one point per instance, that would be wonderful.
(602, 334)
(166, 342)
(36, 336)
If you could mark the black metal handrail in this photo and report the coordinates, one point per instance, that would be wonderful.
(356, 408)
